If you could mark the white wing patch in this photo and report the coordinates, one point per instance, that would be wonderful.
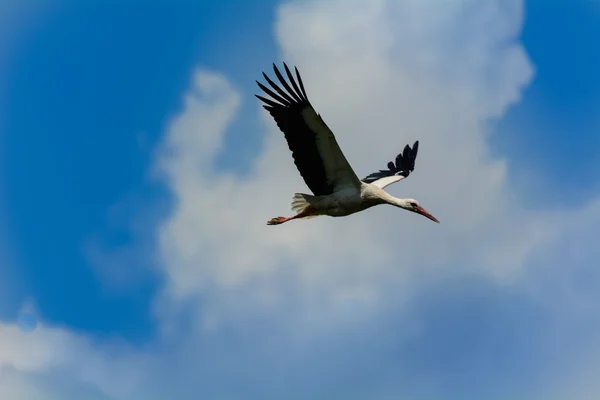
(387, 180)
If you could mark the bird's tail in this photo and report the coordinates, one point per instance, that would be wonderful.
(301, 201)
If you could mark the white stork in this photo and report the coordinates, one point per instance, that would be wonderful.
(337, 191)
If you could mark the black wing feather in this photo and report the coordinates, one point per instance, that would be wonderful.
(273, 95)
(300, 138)
(285, 84)
(270, 103)
(283, 94)
(405, 164)
(301, 84)
(291, 78)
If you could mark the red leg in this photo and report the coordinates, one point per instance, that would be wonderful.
(280, 220)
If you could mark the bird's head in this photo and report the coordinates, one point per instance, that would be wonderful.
(414, 206)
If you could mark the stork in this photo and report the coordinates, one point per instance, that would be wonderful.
(337, 191)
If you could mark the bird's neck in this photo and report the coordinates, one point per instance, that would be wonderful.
(394, 201)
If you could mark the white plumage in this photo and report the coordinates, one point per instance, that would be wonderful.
(337, 190)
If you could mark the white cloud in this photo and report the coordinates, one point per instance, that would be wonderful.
(341, 298)
(382, 74)
(28, 358)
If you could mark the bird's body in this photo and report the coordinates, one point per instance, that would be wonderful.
(337, 191)
(346, 201)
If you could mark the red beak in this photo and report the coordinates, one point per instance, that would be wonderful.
(424, 213)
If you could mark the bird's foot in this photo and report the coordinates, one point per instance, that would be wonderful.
(277, 220)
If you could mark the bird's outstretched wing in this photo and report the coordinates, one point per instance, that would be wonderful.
(405, 164)
(316, 153)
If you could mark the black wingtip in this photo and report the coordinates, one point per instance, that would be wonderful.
(300, 83)
(404, 164)
(286, 95)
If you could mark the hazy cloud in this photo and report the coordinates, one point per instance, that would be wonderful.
(376, 305)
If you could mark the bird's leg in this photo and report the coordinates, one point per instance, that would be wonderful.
(280, 220)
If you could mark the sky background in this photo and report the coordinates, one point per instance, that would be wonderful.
(137, 173)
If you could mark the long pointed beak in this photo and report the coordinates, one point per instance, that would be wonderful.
(424, 213)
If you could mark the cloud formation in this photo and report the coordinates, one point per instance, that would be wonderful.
(382, 74)
(377, 305)
(51, 363)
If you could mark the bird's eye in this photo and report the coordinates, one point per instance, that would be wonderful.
(415, 205)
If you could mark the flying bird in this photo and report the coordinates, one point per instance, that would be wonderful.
(337, 191)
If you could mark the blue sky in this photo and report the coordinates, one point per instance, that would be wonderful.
(89, 94)
(98, 93)
(564, 98)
